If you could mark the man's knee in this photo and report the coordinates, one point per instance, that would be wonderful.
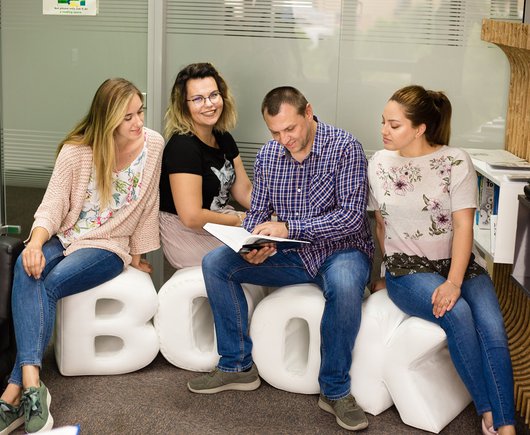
(214, 258)
(346, 284)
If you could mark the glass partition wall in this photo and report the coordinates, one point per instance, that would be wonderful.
(51, 68)
(346, 56)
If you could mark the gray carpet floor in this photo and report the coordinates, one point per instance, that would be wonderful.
(155, 400)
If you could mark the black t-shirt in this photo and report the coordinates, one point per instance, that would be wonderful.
(188, 154)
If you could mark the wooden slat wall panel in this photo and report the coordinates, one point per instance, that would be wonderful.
(515, 307)
(514, 40)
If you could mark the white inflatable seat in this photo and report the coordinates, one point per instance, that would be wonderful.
(397, 359)
(420, 375)
(379, 321)
(107, 330)
(285, 332)
(184, 321)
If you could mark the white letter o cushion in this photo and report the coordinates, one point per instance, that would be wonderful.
(184, 320)
(107, 330)
(285, 332)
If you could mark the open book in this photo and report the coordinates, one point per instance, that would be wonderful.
(240, 240)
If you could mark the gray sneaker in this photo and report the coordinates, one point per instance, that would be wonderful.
(37, 409)
(348, 414)
(217, 381)
(11, 417)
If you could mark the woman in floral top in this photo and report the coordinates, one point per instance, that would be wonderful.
(98, 215)
(424, 194)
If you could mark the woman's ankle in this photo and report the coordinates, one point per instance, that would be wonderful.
(12, 394)
(488, 419)
(30, 376)
(506, 430)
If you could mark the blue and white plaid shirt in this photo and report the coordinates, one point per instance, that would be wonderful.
(323, 198)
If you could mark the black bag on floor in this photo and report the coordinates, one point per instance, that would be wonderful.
(10, 249)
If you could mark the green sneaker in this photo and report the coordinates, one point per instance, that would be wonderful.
(37, 409)
(217, 381)
(348, 414)
(11, 417)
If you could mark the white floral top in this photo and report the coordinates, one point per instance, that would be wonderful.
(126, 189)
(416, 198)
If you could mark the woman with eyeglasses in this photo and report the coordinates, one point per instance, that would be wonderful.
(201, 166)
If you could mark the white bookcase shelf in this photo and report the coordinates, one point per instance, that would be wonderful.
(511, 184)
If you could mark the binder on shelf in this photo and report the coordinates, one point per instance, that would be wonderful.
(493, 234)
(486, 200)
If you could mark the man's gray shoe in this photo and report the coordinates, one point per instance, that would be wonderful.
(348, 414)
(217, 381)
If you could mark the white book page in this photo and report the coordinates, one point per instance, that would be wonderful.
(234, 237)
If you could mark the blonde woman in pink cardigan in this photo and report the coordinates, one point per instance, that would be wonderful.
(99, 214)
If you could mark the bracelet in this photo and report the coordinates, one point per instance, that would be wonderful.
(452, 283)
(383, 270)
(240, 220)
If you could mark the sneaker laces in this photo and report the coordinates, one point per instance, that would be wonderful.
(347, 404)
(4, 409)
(32, 405)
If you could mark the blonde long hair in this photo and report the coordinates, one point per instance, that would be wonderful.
(96, 129)
(178, 117)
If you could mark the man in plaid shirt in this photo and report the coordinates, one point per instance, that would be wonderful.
(313, 177)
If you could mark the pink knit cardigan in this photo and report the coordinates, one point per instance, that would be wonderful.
(132, 230)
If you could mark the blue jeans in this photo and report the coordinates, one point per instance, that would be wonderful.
(342, 278)
(34, 300)
(475, 336)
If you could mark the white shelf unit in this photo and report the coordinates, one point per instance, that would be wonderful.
(511, 184)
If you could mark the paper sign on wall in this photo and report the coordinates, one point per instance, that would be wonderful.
(69, 7)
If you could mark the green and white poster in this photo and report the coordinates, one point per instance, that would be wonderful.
(70, 7)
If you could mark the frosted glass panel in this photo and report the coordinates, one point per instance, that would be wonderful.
(51, 68)
(348, 57)
(256, 46)
(387, 44)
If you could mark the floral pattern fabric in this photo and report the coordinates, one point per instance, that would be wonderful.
(127, 184)
(416, 198)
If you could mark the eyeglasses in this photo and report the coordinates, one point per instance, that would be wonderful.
(199, 100)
